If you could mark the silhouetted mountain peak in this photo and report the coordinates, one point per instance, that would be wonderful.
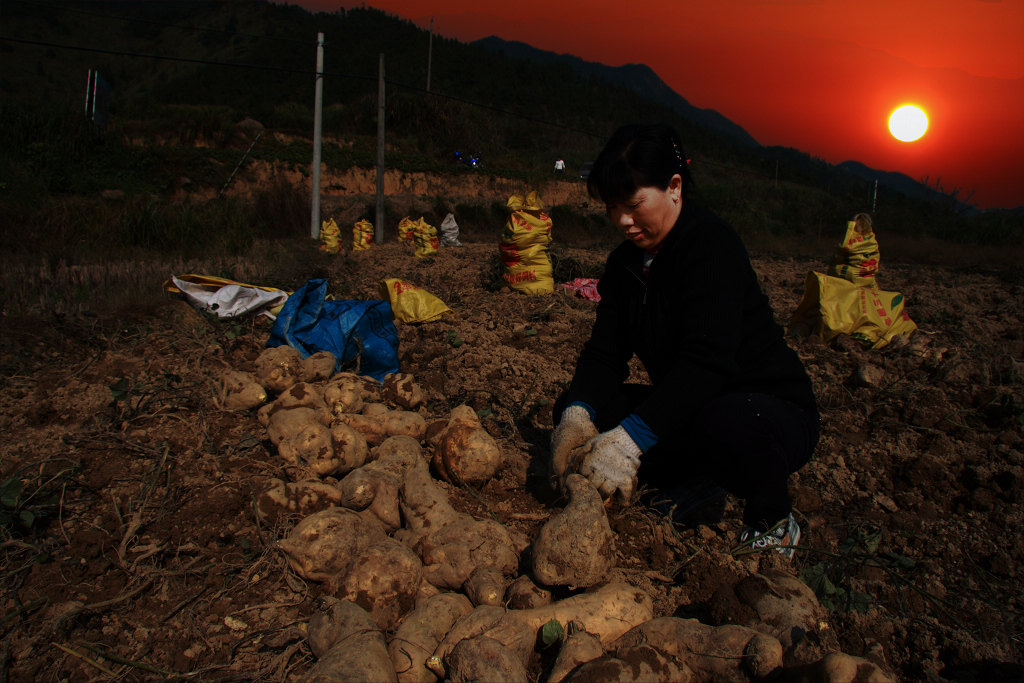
(639, 78)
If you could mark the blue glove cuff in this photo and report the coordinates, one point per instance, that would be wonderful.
(641, 434)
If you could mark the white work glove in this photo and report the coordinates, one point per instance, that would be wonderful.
(610, 462)
(574, 430)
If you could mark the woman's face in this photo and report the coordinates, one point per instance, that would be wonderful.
(647, 217)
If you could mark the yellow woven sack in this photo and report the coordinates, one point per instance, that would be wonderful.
(857, 257)
(330, 237)
(406, 229)
(424, 236)
(409, 303)
(362, 235)
(524, 246)
(832, 306)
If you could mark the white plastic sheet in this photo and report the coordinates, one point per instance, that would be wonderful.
(231, 300)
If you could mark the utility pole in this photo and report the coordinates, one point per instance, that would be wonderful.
(314, 221)
(430, 51)
(378, 232)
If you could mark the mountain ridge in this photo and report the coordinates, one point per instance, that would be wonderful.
(637, 77)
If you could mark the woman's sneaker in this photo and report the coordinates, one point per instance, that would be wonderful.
(783, 537)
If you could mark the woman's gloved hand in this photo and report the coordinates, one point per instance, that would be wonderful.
(610, 462)
(574, 430)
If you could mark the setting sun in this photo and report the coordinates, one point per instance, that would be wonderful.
(908, 123)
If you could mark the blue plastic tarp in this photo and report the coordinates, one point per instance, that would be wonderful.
(351, 330)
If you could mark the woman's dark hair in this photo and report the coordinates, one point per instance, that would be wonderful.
(637, 155)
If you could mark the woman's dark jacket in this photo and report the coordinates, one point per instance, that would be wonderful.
(700, 325)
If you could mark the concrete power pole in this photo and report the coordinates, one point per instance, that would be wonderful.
(378, 231)
(314, 221)
(430, 51)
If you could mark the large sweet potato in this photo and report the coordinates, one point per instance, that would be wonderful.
(421, 631)
(578, 648)
(379, 425)
(348, 644)
(465, 452)
(278, 368)
(839, 667)
(384, 580)
(324, 545)
(484, 659)
(728, 653)
(344, 393)
(319, 366)
(773, 602)
(350, 448)
(239, 391)
(640, 664)
(375, 486)
(575, 547)
(451, 544)
(607, 613)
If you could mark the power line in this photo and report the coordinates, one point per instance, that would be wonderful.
(168, 58)
(305, 72)
(157, 23)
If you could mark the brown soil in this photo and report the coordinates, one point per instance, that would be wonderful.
(131, 549)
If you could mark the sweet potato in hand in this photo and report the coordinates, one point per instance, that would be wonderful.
(575, 547)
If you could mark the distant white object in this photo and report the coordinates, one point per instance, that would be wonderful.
(450, 232)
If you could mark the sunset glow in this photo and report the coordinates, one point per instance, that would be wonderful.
(816, 76)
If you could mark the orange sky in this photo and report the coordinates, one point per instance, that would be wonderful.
(818, 75)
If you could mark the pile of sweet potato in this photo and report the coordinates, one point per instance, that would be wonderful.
(417, 591)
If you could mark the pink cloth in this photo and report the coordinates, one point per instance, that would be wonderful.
(585, 287)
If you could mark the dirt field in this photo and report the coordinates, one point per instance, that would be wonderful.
(132, 549)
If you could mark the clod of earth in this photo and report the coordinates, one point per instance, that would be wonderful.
(401, 390)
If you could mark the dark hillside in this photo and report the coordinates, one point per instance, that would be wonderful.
(184, 74)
